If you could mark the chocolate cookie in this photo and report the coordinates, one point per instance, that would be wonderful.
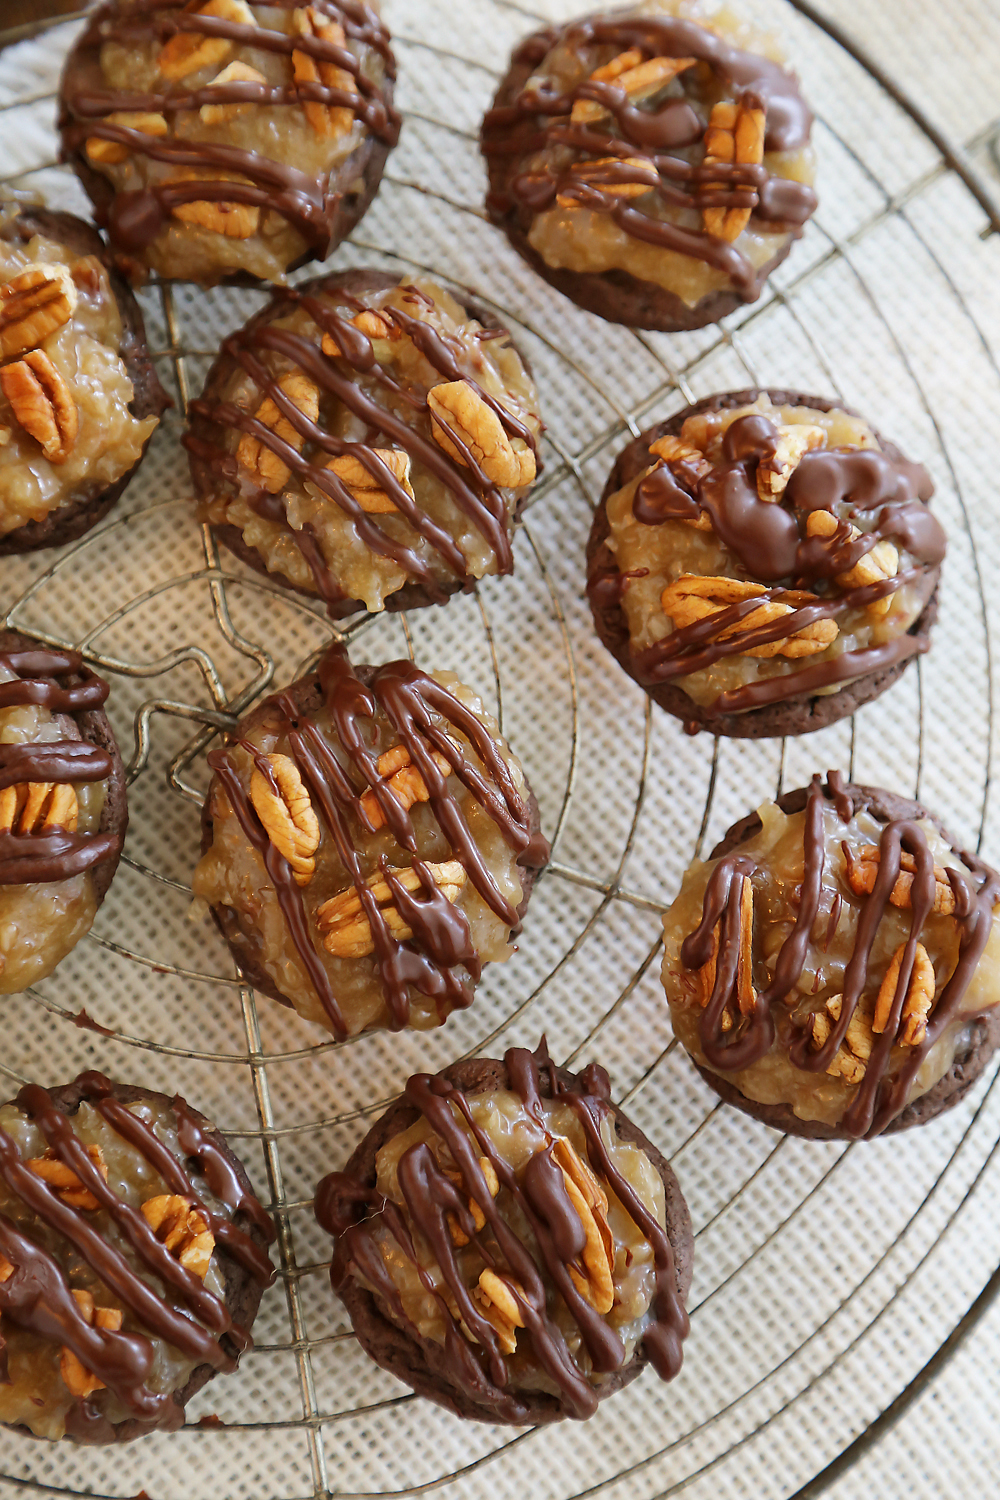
(63, 810)
(228, 141)
(367, 440)
(79, 397)
(648, 165)
(831, 967)
(129, 1236)
(746, 509)
(443, 1286)
(369, 842)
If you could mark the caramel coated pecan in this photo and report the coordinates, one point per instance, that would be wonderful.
(64, 1181)
(794, 442)
(404, 779)
(235, 72)
(919, 998)
(33, 304)
(593, 1277)
(466, 426)
(183, 1230)
(37, 806)
(459, 1238)
(862, 870)
(263, 465)
(693, 597)
(735, 136)
(880, 563)
(229, 217)
(851, 1059)
(326, 120)
(640, 80)
(188, 52)
(364, 486)
(78, 1379)
(345, 928)
(111, 152)
(287, 814)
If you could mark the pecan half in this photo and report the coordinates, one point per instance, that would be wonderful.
(371, 323)
(693, 597)
(111, 152)
(862, 870)
(363, 484)
(495, 1296)
(180, 1226)
(345, 928)
(37, 806)
(459, 1238)
(229, 217)
(674, 450)
(735, 135)
(287, 815)
(326, 120)
(464, 425)
(594, 1277)
(76, 1376)
(188, 52)
(851, 1059)
(600, 173)
(64, 1181)
(264, 466)
(34, 304)
(880, 563)
(42, 403)
(919, 996)
(404, 780)
(745, 994)
(6, 1269)
(794, 441)
(639, 79)
(236, 72)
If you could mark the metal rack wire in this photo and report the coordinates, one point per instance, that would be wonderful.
(307, 1416)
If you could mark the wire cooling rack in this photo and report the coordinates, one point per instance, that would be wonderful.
(831, 1281)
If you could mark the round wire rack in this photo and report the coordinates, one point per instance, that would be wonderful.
(831, 1281)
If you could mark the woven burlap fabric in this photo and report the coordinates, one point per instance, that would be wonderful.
(824, 1277)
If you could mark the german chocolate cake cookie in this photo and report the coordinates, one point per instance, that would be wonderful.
(370, 842)
(226, 140)
(63, 812)
(764, 562)
(367, 441)
(79, 398)
(509, 1244)
(133, 1256)
(651, 162)
(832, 968)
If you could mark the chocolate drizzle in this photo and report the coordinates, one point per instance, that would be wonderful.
(888, 1079)
(436, 961)
(136, 217)
(768, 542)
(352, 1211)
(538, 119)
(37, 1295)
(56, 854)
(259, 346)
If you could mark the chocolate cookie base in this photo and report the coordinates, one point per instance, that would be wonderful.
(616, 296)
(241, 938)
(93, 726)
(411, 595)
(797, 714)
(968, 1063)
(241, 1292)
(424, 1367)
(68, 522)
